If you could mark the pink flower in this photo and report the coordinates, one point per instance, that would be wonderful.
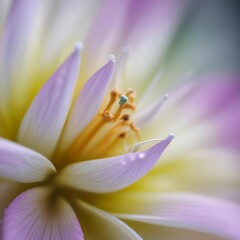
(79, 152)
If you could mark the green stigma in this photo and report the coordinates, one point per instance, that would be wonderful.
(123, 100)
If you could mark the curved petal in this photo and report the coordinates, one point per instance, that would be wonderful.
(112, 174)
(44, 120)
(189, 211)
(21, 164)
(106, 30)
(32, 215)
(144, 117)
(88, 102)
(101, 225)
(152, 232)
(16, 33)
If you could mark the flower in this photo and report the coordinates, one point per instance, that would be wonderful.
(76, 147)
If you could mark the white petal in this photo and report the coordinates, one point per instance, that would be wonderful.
(21, 164)
(183, 210)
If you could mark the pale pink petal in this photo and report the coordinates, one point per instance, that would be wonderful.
(216, 98)
(106, 30)
(67, 15)
(32, 216)
(21, 164)
(149, 29)
(98, 224)
(118, 77)
(188, 211)
(45, 118)
(87, 103)
(15, 39)
(206, 111)
(112, 174)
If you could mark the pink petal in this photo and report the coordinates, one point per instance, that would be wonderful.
(87, 103)
(32, 216)
(98, 224)
(21, 164)
(13, 44)
(188, 211)
(149, 28)
(112, 174)
(45, 118)
(217, 98)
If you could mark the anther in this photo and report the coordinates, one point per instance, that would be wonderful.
(122, 135)
(125, 117)
(113, 98)
(131, 94)
(125, 106)
(123, 100)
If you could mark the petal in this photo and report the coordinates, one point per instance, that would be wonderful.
(152, 232)
(87, 103)
(9, 190)
(112, 174)
(44, 120)
(21, 164)
(101, 225)
(188, 211)
(144, 117)
(66, 16)
(32, 216)
(13, 44)
(106, 30)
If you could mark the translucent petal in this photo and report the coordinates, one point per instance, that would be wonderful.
(114, 173)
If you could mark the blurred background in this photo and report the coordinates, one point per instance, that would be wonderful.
(207, 39)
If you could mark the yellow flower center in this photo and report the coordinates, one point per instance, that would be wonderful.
(110, 127)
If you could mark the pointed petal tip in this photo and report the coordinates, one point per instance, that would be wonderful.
(112, 58)
(166, 96)
(171, 136)
(78, 46)
(115, 173)
(126, 49)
